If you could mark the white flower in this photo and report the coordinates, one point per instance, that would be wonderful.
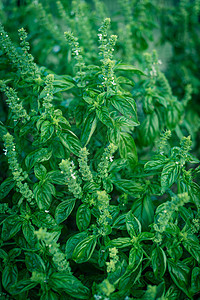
(159, 62)
(76, 52)
(111, 158)
(46, 211)
(5, 151)
(73, 176)
(100, 36)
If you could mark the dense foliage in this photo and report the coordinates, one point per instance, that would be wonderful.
(99, 169)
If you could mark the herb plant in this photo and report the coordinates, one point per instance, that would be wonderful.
(99, 166)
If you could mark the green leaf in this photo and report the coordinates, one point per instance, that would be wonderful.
(169, 175)
(127, 107)
(128, 186)
(124, 67)
(56, 177)
(71, 142)
(195, 280)
(69, 284)
(11, 226)
(83, 251)
(121, 242)
(83, 217)
(104, 116)
(3, 254)
(40, 171)
(63, 210)
(34, 262)
(28, 232)
(179, 273)
(44, 220)
(37, 156)
(132, 224)
(3, 131)
(193, 247)
(145, 236)
(129, 278)
(43, 194)
(156, 164)
(143, 210)
(6, 186)
(14, 253)
(9, 276)
(159, 262)
(135, 257)
(120, 222)
(49, 295)
(47, 130)
(72, 242)
(23, 286)
(125, 80)
(173, 292)
(149, 129)
(89, 126)
(127, 149)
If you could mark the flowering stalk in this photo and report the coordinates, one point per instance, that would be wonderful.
(165, 212)
(68, 169)
(103, 204)
(9, 48)
(114, 258)
(76, 51)
(26, 59)
(106, 51)
(84, 168)
(48, 90)
(59, 258)
(105, 159)
(14, 103)
(18, 174)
